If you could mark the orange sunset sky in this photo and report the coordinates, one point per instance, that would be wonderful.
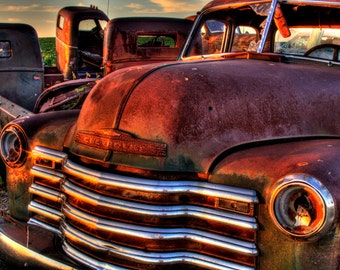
(41, 14)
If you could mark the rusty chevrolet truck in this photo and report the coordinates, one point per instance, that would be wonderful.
(225, 159)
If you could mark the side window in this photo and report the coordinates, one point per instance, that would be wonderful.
(245, 38)
(322, 53)
(90, 40)
(91, 29)
(296, 44)
(60, 22)
(87, 25)
(212, 36)
(5, 49)
(209, 39)
(156, 40)
(313, 42)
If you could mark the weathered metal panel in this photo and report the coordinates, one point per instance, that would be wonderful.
(10, 111)
(202, 109)
(21, 73)
(121, 47)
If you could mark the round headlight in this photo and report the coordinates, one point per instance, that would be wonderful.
(302, 207)
(13, 146)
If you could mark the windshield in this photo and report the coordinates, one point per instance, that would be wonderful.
(315, 42)
(287, 28)
(228, 31)
(213, 34)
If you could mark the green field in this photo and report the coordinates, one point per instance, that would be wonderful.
(48, 51)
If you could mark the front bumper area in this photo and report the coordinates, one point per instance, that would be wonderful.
(31, 247)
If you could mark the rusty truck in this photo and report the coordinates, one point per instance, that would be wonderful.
(227, 158)
(88, 47)
(88, 44)
(23, 73)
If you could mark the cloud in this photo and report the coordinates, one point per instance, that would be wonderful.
(166, 6)
(134, 6)
(51, 9)
(14, 20)
(20, 8)
(50, 22)
(29, 8)
(141, 9)
(171, 6)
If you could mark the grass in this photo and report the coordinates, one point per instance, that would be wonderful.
(47, 46)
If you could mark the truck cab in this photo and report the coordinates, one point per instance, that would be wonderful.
(143, 40)
(21, 65)
(128, 42)
(88, 44)
(79, 41)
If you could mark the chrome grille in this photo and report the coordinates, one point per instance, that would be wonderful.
(110, 220)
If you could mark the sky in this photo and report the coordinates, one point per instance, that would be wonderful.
(42, 14)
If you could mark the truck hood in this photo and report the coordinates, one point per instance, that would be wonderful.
(182, 116)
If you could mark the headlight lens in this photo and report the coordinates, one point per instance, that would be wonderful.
(302, 207)
(13, 146)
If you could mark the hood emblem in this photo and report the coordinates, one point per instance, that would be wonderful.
(118, 141)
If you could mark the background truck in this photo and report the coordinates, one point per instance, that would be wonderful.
(23, 73)
(226, 159)
(84, 36)
(28, 84)
(127, 42)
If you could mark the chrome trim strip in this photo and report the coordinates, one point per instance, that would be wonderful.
(150, 233)
(46, 173)
(48, 160)
(46, 193)
(165, 258)
(158, 186)
(173, 211)
(267, 26)
(38, 223)
(23, 255)
(45, 153)
(45, 211)
(147, 185)
(87, 260)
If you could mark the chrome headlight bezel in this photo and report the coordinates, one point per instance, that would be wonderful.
(302, 207)
(13, 146)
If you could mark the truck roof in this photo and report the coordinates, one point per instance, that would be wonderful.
(21, 65)
(81, 13)
(234, 3)
(23, 49)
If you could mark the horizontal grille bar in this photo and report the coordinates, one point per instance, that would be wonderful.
(48, 157)
(45, 211)
(46, 193)
(154, 258)
(162, 234)
(164, 211)
(110, 219)
(38, 223)
(156, 186)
